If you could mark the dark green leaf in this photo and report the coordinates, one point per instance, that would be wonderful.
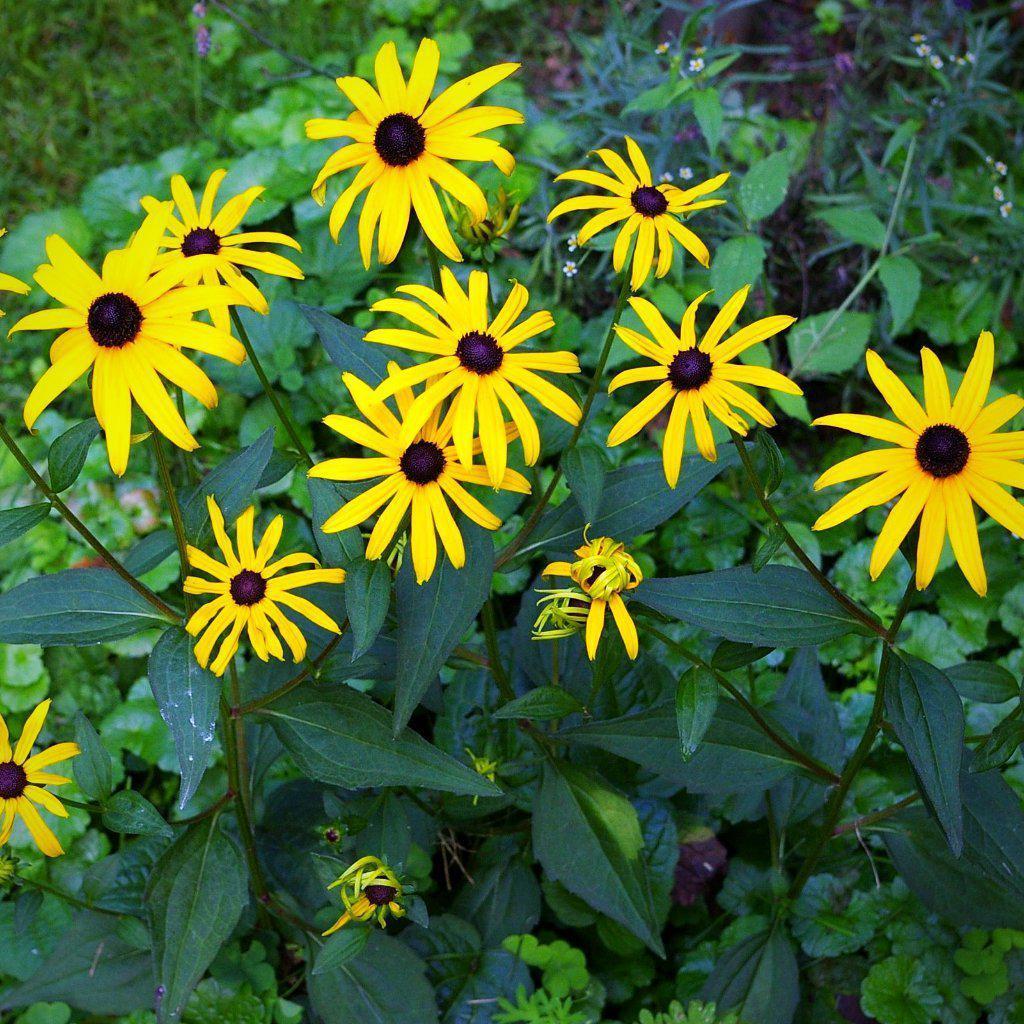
(584, 467)
(729, 655)
(763, 188)
(774, 462)
(188, 698)
(195, 897)
(696, 700)
(342, 549)
(780, 606)
(344, 738)
(984, 681)
(75, 608)
(856, 225)
(387, 984)
(433, 616)
(707, 109)
(340, 948)
(928, 718)
(131, 813)
(346, 348)
(587, 836)
(68, 453)
(828, 342)
(768, 547)
(758, 978)
(367, 599)
(999, 746)
(503, 898)
(541, 704)
(150, 552)
(901, 279)
(92, 766)
(16, 521)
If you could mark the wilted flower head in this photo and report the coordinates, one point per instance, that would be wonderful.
(369, 889)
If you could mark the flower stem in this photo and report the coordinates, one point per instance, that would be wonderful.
(175, 509)
(516, 544)
(67, 897)
(860, 614)
(83, 531)
(275, 401)
(811, 764)
(494, 653)
(435, 266)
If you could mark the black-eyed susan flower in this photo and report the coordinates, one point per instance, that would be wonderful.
(475, 359)
(199, 231)
(129, 326)
(250, 593)
(23, 778)
(697, 378)
(404, 144)
(948, 456)
(9, 283)
(652, 213)
(421, 476)
(603, 571)
(369, 889)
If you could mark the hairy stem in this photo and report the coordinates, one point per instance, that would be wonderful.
(174, 507)
(310, 667)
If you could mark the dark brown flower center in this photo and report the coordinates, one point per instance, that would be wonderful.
(689, 370)
(648, 201)
(399, 139)
(379, 895)
(201, 242)
(114, 320)
(422, 462)
(942, 450)
(13, 780)
(479, 352)
(248, 587)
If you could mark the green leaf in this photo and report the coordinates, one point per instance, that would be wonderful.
(898, 991)
(344, 738)
(188, 697)
(195, 896)
(763, 188)
(999, 746)
(768, 547)
(503, 897)
(433, 616)
(367, 599)
(92, 968)
(74, 608)
(16, 521)
(856, 225)
(387, 984)
(345, 548)
(340, 948)
(983, 681)
(541, 704)
(901, 279)
(926, 713)
(660, 97)
(154, 549)
(780, 606)
(25, 245)
(587, 836)
(737, 262)
(346, 348)
(696, 700)
(68, 453)
(731, 655)
(828, 343)
(828, 922)
(775, 462)
(131, 813)
(585, 467)
(707, 109)
(232, 484)
(758, 978)
(92, 766)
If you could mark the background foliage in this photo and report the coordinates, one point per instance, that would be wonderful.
(625, 878)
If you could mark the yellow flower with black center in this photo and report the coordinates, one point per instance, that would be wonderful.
(404, 143)
(604, 570)
(369, 889)
(23, 778)
(129, 326)
(250, 593)
(9, 283)
(199, 231)
(697, 378)
(948, 457)
(421, 476)
(475, 359)
(652, 213)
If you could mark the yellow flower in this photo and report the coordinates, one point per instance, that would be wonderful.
(369, 889)
(249, 592)
(129, 326)
(422, 473)
(948, 457)
(11, 284)
(403, 143)
(474, 359)
(22, 779)
(603, 570)
(651, 212)
(197, 232)
(485, 766)
(697, 377)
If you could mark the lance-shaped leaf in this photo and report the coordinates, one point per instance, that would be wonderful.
(696, 700)
(346, 348)
(68, 453)
(16, 521)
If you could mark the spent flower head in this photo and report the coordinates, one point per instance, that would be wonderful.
(369, 890)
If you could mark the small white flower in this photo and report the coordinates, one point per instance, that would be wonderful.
(989, 160)
(935, 60)
(970, 57)
(570, 269)
(1005, 210)
(998, 194)
(686, 173)
(662, 47)
(923, 50)
(999, 167)
(571, 244)
(696, 65)
(666, 177)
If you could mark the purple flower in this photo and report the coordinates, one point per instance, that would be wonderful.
(199, 9)
(203, 41)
